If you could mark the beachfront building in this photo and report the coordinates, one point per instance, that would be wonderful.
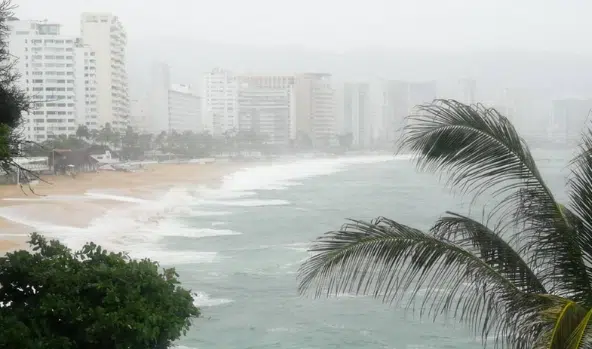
(105, 35)
(49, 64)
(569, 119)
(468, 90)
(184, 109)
(265, 110)
(86, 86)
(357, 114)
(157, 101)
(314, 108)
(220, 102)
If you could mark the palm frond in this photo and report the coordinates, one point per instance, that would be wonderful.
(392, 261)
(580, 337)
(580, 194)
(481, 152)
(490, 247)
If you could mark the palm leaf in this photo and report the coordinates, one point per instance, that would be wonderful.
(490, 247)
(392, 261)
(482, 153)
(580, 194)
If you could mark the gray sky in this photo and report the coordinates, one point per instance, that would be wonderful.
(345, 24)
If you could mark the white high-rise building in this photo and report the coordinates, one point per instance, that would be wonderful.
(105, 35)
(50, 65)
(314, 108)
(157, 120)
(86, 86)
(266, 110)
(220, 102)
(184, 109)
(357, 113)
(468, 89)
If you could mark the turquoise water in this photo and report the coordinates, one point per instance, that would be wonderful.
(239, 247)
(251, 283)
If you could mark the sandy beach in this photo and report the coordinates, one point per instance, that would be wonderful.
(79, 213)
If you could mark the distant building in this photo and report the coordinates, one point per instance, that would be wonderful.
(57, 73)
(219, 101)
(357, 113)
(86, 86)
(570, 118)
(265, 109)
(157, 120)
(184, 109)
(105, 35)
(314, 108)
(139, 114)
(468, 89)
(393, 101)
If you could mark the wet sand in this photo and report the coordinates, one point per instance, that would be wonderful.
(41, 198)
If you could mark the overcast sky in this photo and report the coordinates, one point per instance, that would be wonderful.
(345, 24)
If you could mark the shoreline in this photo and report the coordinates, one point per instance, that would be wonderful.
(53, 198)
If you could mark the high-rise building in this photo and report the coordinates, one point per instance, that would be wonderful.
(105, 35)
(220, 102)
(357, 111)
(468, 89)
(265, 109)
(52, 68)
(570, 118)
(157, 120)
(184, 109)
(86, 86)
(314, 108)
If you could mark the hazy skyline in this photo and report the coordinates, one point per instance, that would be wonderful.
(457, 25)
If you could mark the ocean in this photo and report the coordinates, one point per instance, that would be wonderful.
(239, 247)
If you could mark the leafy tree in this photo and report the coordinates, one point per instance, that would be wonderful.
(91, 298)
(83, 132)
(13, 100)
(523, 275)
(107, 136)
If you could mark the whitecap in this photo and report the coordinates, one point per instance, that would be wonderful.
(202, 299)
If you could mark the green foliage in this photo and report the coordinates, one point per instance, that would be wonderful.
(58, 298)
(523, 276)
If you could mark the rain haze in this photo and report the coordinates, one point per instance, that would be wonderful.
(224, 138)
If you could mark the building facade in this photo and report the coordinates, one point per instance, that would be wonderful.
(184, 109)
(468, 90)
(314, 108)
(220, 102)
(569, 119)
(357, 117)
(265, 109)
(86, 86)
(47, 63)
(105, 35)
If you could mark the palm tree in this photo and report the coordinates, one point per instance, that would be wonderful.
(525, 279)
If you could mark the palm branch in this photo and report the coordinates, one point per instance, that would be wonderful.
(526, 281)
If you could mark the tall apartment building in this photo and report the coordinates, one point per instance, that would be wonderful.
(52, 68)
(468, 89)
(265, 109)
(570, 117)
(220, 101)
(314, 108)
(86, 86)
(105, 35)
(157, 100)
(184, 109)
(357, 113)
(393, 101)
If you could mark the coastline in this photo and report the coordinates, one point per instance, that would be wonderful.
(45, 199)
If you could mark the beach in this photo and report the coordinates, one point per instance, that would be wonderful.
(41, 198)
